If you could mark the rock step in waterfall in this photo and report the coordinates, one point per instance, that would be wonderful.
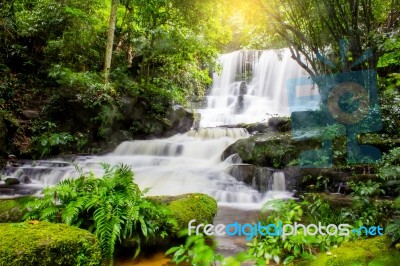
(191, 162)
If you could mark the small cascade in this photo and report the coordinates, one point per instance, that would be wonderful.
(148, 147)
(219, 132)
(279, 183)
(180, 164)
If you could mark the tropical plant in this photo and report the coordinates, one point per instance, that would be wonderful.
(269, 247)
(200, 251)
(112, 207)
(393, 229)
(320, 210)
(368, 209)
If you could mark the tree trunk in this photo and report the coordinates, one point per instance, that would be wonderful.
(110, 39)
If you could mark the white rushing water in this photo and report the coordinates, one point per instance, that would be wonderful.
(232, 101)
(191, 162)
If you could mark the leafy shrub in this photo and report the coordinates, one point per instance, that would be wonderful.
(368, 209)
(299, 246)
(393, 229)
(389, 171)
(112, 207)
(199, 252)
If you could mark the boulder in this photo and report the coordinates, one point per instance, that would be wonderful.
(43, 243)
(187, 207)
(12, 210)
(254, 128)
(279, 124)
(181, 121)
(12, 181)
(272, 149)
(259, 178)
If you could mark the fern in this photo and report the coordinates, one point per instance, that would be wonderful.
(112, 207)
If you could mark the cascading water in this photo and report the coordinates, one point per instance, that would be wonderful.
(252, 88)
(191, 162)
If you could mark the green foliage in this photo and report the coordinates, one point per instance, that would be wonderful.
(389, 170)
(320, 210)
(51, 58)
(199, 252)
(112, 207)
(367, 209)
(43, 243)
(364, 208)
(195, 251)
(389, 104)
(389, 62)
(46, 142)
(293, 247)
(393, 229)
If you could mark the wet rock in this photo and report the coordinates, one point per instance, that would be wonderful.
(239, 104)
(11, 181)
(243, 88)
(181, 121)
(272, 149)
(26, 180)
(258, 178)
(7, 192)
(279, 124)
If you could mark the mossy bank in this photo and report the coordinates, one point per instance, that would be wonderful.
(372, 252)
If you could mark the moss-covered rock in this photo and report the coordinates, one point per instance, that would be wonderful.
(12, 210)
(383, 142)
(272, 149)
(43, 243)
(372, 252)
(280, 124)
(187, 207)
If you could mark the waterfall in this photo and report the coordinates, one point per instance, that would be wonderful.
(250, 88)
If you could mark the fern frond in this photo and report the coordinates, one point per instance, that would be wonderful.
(49, 214)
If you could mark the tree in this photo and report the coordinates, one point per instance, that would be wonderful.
(314, 28)
(110, 39)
